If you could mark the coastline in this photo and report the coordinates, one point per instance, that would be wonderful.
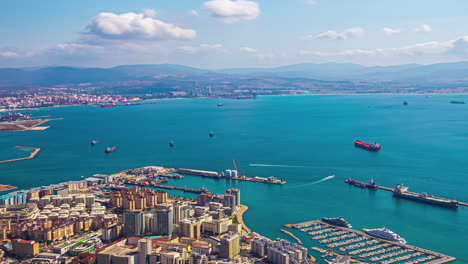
(269, 95)
(239, 215)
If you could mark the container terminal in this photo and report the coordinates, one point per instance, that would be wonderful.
(363, 247)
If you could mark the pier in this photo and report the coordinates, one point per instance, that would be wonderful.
(213, 174)
(364, 246)
(292, 235)
(412, 193)
(32, 155)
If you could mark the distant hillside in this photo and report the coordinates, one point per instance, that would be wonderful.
(408, 74)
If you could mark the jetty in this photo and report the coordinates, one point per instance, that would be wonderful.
(213, 174)
(366, 247)
(32, 155)
(292, 235)
(413, 194)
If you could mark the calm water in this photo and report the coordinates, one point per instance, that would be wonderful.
(301, 139)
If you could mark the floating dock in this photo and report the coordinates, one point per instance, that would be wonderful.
(367, 248)
(32, 155)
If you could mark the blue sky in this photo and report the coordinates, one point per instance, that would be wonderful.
(231, 33)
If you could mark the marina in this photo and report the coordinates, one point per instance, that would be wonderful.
(364, 247)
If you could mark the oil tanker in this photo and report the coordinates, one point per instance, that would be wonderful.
(402, 192)
(370, 185)
(367, 146)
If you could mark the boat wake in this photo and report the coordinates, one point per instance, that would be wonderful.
(282, 166)
(315, 182)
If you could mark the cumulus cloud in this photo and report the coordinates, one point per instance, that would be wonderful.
(202, 48)
(390, 31)
(457, 48)
(232, 11)
(247, 49)
(424, 28)
(333, 35)
(136, 26)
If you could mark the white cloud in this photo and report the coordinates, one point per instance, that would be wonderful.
(232, 11)
(150, 12)
(311, 2)
(15, 55)
(333, 35)
(136, 26)
(457, 48)
(193, 13)
(247, 49)
(202, 48)
(391, 31)
(263, 56)
(424, 28)
(76, 48)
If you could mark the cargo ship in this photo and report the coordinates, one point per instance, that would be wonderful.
(337, 221)
(109, 150)
(367, 146)
(108, 105)
(402, 192)
(385, 233)
(370, 185)
(457, 102)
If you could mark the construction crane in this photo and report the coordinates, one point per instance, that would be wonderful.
(235, 167)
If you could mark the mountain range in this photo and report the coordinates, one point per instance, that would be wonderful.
(450, 73)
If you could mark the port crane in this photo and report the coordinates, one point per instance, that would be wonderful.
(235, 167)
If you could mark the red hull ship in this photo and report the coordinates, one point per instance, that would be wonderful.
(109, 150)
(367, 146)
(370, 185)
(108, 105)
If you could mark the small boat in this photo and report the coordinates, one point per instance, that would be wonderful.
(211, 134)
(94, 142)
(108, 105)
(405, 103)
(109, 150)
(171, 144)
(220, 104)
(337, 221)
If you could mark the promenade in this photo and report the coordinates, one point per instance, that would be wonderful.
(239, 215)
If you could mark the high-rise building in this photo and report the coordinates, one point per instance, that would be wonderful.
(163, 221)
(24, 248)
(198, 258)
(144, 249)
(189, 228)
(229, 200)
(236, 193)
(171, 257)
(230, 246)
(134, 224)
(181, 211)
(276, 256)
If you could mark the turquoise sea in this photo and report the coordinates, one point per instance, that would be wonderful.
(302, 139)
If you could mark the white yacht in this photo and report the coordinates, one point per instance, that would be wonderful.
(386, 234)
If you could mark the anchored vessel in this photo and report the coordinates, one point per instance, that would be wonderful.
(171, 144)
(211, 134)
(405, 103)
(386, 234)
(367, 146)
(108, 150)
(220, 104)
(370, 185)
(402, 192)
(337, 221)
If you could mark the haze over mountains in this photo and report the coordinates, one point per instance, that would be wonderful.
(449, 73)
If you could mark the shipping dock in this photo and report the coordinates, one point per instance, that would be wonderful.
(402, 192)
(363, 247)
(213, 174)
